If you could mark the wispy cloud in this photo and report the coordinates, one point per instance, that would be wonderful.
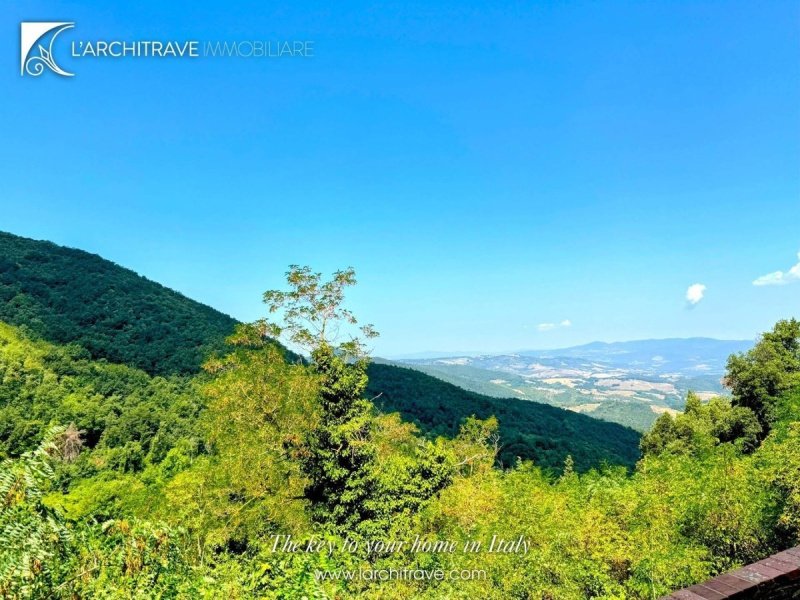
(695, 293)
(779, 277)
(551, 326)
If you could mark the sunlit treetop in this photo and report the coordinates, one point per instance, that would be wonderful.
(313, 313)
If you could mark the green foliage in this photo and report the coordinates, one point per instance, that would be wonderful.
(33, 536)
(130, 418)
(780, 462)
(313, 314)
(340, 452)
(259, 409)
(129, 559)
(70, 296)
(339, 455)
(760, 376)
(701, 427)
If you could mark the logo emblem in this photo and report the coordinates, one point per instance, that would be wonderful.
(31, 62)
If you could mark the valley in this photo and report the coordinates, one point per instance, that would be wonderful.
(631, 383)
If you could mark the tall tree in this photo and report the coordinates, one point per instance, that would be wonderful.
(340, 453)
(354, 484)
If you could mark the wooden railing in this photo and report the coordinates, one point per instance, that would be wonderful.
(774, 578)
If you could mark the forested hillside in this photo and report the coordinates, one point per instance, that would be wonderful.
(66, 295)
(70, 296)
(528, 430)
(117, 483)
(132, 416)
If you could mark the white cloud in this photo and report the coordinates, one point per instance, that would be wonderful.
(779, 277)
(551, 326)
(695, 293)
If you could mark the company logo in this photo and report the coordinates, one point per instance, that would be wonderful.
(37, 47)
(32, 61)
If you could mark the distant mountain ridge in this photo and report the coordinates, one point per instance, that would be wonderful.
(665, 353)
(673, 347)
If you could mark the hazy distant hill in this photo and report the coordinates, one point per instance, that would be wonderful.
(688, 356)
(626, 382)
(70, 296)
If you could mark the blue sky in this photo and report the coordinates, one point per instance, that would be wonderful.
(487, 167)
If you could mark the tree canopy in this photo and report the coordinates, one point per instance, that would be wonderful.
(69, 296)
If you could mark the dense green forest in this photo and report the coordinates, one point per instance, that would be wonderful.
(128, 414)
(66, 295)
(528, 430)
(70, 296)
(121, 483)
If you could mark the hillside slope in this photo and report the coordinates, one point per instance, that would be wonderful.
(528, 430)
(65, 295)
(70, 296)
